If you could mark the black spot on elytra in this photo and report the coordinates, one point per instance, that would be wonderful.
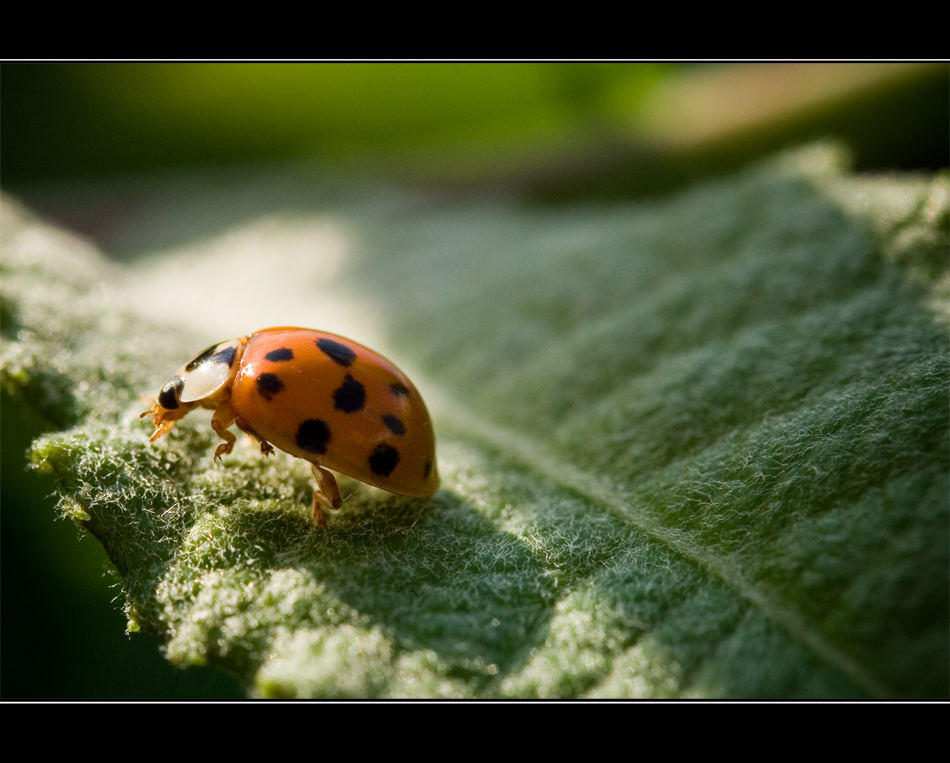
(313, 436)
(269, 385)
(383, 459)
(349, 396)
(225, 356)
(394, 423)
(426, 470)
(168, 397)
(338, 353)
(284, 353)
(201, 358)
(399, 390)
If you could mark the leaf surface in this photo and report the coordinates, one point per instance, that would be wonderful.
(692, 447)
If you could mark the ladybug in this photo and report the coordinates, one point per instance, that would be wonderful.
(318, 396)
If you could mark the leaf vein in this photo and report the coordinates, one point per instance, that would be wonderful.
(602, 490)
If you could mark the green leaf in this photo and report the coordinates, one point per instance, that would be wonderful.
(696, 447)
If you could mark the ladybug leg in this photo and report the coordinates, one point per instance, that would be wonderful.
(325, 494)
(223, 418)
(266, 448)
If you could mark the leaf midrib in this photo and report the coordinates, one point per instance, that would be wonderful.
(603, 491)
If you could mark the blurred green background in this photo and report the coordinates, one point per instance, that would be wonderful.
(557, 128)
(541, 132)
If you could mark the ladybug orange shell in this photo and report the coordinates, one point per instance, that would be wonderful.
(318, 396)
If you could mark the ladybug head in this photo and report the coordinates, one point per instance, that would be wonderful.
(203, 381)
